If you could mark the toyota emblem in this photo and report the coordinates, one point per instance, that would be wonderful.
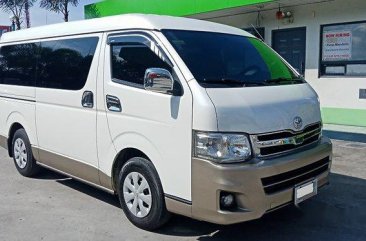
(297, 123)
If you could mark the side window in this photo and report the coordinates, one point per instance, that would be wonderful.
(130, 60)
(65, 64)
(18, 64)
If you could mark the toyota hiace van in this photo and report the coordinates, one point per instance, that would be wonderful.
(173, 115)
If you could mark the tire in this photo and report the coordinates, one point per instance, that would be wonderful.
(144, 212)
(22, 154)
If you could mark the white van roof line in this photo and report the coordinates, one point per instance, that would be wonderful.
(120, 22)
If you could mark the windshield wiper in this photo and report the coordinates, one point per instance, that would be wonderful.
(233, 81)
(223, 81)
(284, 80)
(241, 83)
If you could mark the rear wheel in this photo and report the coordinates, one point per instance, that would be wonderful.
(22, 154)
(141, 194)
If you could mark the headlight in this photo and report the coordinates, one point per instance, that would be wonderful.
(222, 148)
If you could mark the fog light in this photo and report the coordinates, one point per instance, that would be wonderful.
(227, 200)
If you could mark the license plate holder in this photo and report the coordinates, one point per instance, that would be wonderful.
(305, 191)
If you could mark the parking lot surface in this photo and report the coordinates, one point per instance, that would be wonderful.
(54, 207)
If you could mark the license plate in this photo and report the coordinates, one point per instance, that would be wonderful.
(305, 191)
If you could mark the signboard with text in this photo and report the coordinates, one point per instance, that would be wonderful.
(337, 45)
(4, 29)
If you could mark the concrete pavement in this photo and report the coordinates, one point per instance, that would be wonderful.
(53, 207)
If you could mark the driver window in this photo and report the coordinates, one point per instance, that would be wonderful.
(130, 60)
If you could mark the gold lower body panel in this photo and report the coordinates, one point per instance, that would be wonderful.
(244, 180)
(76, 169)
(3, 142)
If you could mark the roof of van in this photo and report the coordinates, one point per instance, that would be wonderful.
(120, 22)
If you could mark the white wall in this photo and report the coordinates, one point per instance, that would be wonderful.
(334, 92)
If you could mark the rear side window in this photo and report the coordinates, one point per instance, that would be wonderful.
(59, 64)
(18, 64)
(65, 64)
(130, 60)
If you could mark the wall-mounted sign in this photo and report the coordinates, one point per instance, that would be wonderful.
(4, 29)
(337, 45)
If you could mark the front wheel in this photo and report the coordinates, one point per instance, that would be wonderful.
(141, 194)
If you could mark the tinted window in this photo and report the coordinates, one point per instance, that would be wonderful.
(65, 64)
(230, 60)
(130, 61)
(18, 64)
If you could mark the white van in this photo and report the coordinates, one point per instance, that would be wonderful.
(174, 115)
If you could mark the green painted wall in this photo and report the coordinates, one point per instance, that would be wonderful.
(164, 7)
(349, 117)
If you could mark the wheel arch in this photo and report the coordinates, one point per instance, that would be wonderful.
(133, 144)
(16, 121)
(121, 159)
(13, 128)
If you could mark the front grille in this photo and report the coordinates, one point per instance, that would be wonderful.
(284, 181)
(270, 144)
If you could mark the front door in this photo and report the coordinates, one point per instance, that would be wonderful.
(157, 124)
(291, 45)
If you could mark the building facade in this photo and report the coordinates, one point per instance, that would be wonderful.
(325, 40)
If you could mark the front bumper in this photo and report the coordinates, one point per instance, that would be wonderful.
(245, 181)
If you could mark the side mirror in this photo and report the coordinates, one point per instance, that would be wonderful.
(159, 80)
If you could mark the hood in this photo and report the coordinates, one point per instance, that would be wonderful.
(255, 110)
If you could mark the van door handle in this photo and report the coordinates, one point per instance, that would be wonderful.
(113, 103)
(87, 101)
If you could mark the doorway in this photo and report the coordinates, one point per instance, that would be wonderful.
(291, 45)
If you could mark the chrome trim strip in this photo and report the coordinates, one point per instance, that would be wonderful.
(14, 98)
(178, 199)
(296, 140)
(278, 154)
(288, 130)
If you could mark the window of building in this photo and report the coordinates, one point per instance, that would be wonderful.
(343, 50)
(130, 60)
(18, 64)
(65, 64)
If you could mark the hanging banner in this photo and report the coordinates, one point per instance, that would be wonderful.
(337, 45)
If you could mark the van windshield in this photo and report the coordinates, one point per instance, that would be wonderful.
(225, 60)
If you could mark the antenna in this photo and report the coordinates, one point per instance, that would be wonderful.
(255, 29)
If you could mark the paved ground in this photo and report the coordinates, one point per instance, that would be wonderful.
(53, 207)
